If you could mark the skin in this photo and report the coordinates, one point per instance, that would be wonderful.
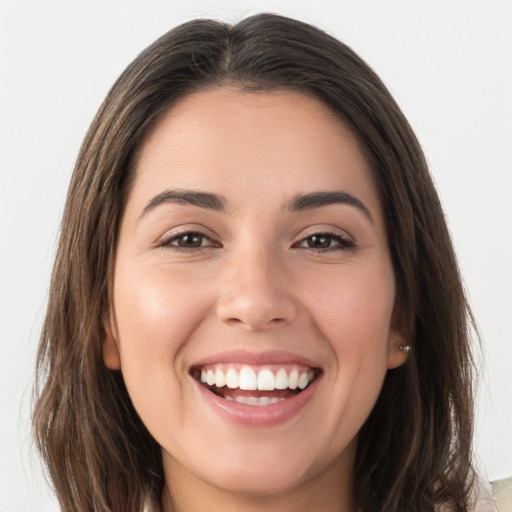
(255, 284)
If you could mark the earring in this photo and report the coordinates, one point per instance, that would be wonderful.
(405, 348)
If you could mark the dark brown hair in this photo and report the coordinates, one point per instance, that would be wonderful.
(414, 451)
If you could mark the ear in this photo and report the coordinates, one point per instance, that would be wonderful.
(397, 339)
(396, 356)
(111, 356)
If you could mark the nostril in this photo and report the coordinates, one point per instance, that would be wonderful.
(254, 312)
(256, 324)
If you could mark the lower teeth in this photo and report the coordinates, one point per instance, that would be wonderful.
(254, 400)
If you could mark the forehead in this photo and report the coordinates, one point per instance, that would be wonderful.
(252, 144)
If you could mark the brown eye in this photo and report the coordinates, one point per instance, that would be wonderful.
(325, 242)
(319, 241)
(189, 240)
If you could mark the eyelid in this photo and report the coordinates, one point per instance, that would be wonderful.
(165, 241)
(345, 241)
(324, 229)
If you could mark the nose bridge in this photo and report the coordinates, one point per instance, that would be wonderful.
(254, 291)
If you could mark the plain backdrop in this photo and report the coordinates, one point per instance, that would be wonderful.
(449, 65)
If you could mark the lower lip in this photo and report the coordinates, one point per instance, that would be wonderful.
(263, 415)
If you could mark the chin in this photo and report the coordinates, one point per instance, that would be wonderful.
(255, 470)
(259, 481)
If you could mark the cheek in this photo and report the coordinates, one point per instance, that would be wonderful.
(156, 313)
(353, 311)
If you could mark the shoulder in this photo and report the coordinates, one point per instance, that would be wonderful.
(493, 497)
(502, 494)
(482, 499)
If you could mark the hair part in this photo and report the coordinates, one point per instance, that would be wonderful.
(414, 451)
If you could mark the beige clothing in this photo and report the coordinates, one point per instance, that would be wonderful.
(484, 501)
(502, 493)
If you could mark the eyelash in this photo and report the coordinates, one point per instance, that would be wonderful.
(342, 243)
(168, 242)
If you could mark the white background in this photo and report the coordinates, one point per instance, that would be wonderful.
(448, 63)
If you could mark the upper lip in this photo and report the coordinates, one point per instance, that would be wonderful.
(256, 358)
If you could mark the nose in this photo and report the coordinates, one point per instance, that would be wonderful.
(256, 294)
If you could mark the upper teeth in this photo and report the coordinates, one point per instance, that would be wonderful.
(264, 380)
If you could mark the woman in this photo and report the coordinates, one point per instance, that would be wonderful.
(255, 303)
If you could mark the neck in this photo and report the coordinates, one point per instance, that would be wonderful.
(329, 491)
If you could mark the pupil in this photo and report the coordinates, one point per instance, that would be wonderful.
(191, 240)
(320, 241)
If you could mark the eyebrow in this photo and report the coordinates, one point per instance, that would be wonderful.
(319, 199)
(201, 199)
(215, 202)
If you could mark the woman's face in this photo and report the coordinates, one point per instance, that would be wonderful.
(252, 255)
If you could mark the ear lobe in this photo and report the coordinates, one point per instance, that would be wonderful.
(397, 340)
(396, 355)
(111, 356)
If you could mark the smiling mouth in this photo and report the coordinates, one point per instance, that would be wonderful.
(255, 385)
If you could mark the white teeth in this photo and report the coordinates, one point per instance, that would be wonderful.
(293, 379)
(303, 380)
(220, 380)
(232, 378)
(266, 380)
(281, 380)
(248, 380)
(252, 400)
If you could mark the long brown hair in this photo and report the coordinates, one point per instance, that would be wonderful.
(414, 451)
